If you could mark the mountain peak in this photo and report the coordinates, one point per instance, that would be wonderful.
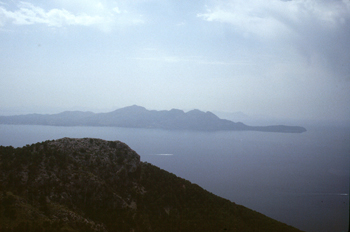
(133, 107)
(130, 109)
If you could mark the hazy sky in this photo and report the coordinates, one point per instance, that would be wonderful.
(278, 58)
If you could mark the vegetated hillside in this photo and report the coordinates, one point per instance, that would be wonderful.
(96, 185)
(139, 117)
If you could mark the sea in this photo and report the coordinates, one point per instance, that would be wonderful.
(299, 179)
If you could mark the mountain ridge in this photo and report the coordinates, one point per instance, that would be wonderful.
(86, 184)
(139, 117)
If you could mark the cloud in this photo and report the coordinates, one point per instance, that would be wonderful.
(318, 29)
(116, 10)
(199, 60)
(29, 14)
(266, 18)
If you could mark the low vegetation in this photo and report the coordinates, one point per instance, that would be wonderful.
(95, 185)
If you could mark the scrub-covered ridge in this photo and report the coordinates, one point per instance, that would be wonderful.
(96, 185)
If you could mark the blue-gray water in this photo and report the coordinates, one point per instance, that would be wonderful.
(299, 179)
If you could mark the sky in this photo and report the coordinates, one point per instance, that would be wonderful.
(279, 58)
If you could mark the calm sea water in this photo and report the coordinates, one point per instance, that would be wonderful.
(299, 179)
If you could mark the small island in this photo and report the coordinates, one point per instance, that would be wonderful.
(139, 117)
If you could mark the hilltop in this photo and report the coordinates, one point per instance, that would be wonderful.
(97, 185)
(139, 117)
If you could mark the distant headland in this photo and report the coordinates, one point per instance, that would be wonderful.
(139, 117)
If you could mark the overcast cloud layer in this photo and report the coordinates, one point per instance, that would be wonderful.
(287, 59)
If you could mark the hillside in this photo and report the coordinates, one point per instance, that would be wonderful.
(139, 117)
(96, 185)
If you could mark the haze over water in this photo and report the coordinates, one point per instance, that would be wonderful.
(299, 179)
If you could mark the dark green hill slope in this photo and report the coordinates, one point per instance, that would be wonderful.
(96, 185)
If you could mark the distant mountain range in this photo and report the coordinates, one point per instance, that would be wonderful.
(139, 117)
